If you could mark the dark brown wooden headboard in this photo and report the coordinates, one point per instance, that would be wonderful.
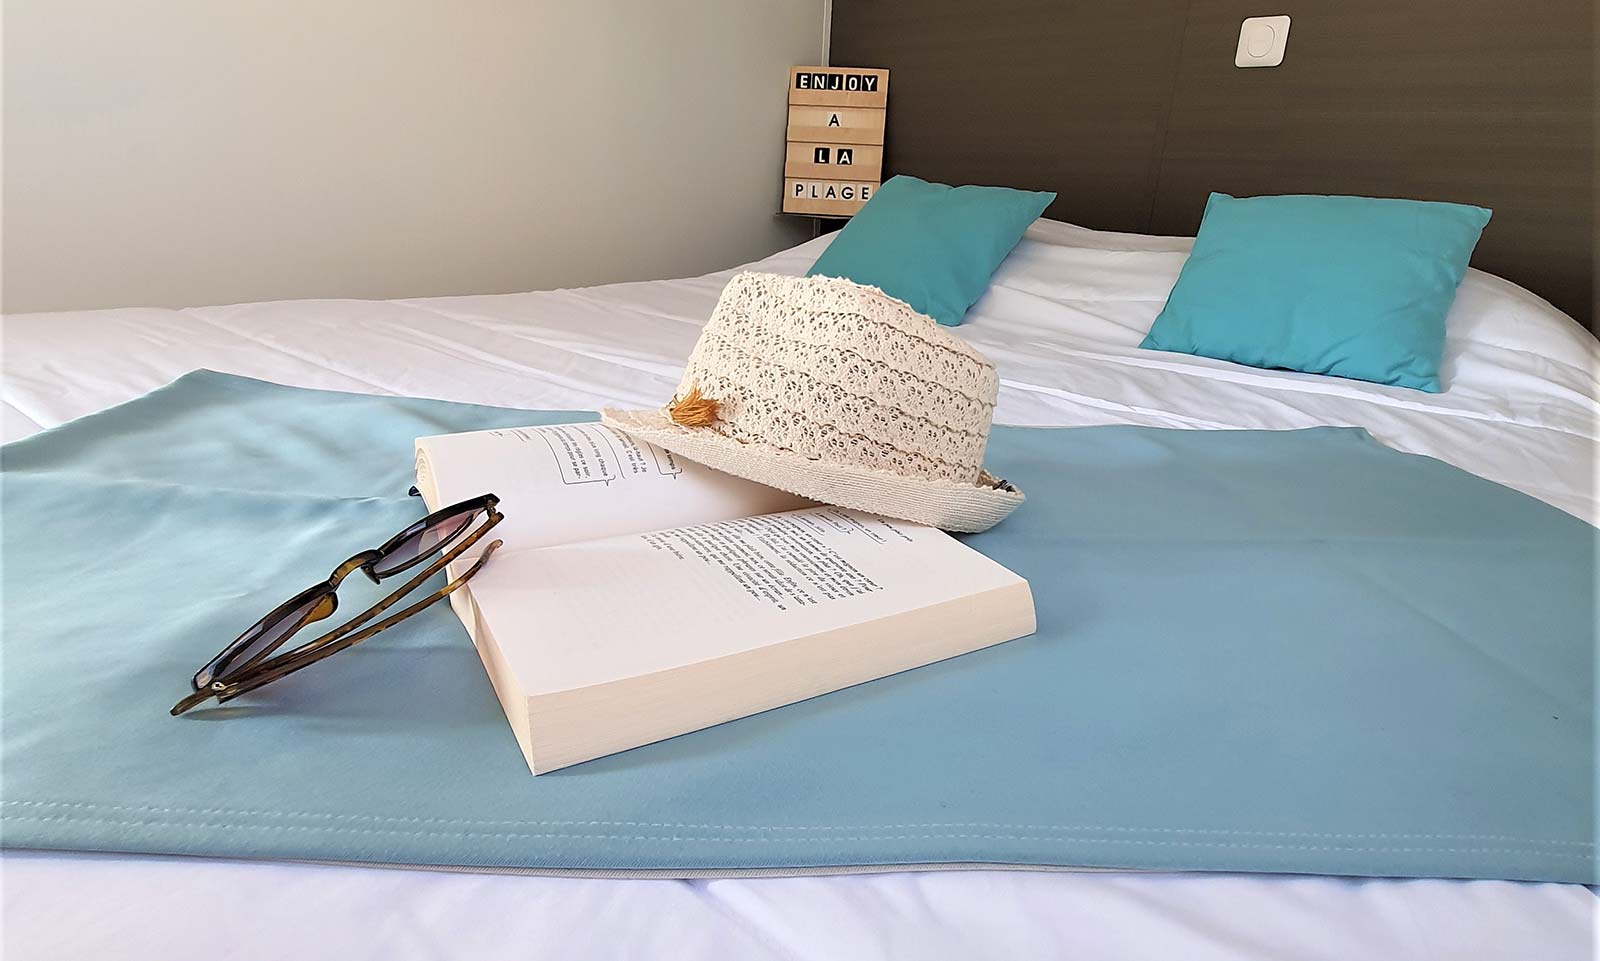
(1133, 111)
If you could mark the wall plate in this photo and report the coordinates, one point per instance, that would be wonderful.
(1261, 42)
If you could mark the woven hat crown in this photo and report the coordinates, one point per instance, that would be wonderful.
(845, 374)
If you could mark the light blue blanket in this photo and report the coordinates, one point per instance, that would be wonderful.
(1295, 652)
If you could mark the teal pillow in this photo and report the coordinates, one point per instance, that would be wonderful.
(930, 245)
(1350, 286)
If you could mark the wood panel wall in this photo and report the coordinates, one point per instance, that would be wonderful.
(1132, 111)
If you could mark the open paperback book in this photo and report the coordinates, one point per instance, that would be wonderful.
(639, 595)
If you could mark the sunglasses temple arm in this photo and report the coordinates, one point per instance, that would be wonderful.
(268, 672)
(258, 672)
(192, 700)
(406, 588)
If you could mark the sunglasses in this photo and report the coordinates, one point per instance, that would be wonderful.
(252, 661)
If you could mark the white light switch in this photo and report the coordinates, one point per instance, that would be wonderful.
(1261, 42)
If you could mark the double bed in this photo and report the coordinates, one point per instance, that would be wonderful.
(1061, 320)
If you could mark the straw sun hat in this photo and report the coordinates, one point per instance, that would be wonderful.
(839, 393)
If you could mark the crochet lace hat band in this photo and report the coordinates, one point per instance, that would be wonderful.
(840, 393)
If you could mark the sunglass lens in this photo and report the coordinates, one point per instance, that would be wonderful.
(265, 633)
(424, 542)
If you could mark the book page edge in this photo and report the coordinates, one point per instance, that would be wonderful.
(799, 668)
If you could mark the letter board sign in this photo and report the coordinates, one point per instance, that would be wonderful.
(835, 155)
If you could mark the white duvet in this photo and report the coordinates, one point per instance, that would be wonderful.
(1062, 322)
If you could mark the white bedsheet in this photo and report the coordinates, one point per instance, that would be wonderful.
(1062, 322)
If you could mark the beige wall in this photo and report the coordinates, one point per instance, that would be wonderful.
(185, 152)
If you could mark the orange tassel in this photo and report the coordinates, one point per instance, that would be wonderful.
(694, 409)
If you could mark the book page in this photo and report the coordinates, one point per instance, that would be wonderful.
(587, 613)
(572, 482)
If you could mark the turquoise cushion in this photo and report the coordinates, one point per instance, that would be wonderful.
(930, 245)
(1349, 286)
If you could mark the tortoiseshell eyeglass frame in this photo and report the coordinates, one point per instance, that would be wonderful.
(224, 680)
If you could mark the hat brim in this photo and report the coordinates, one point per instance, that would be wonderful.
(946, 505)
